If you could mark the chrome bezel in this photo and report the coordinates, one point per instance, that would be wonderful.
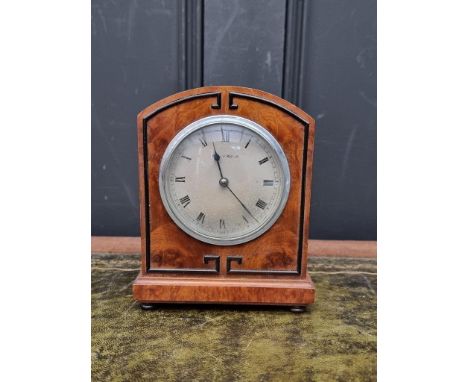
(208, 121)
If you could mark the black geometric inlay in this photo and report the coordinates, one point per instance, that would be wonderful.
(232, 105)
(146, 118)
(216, 259)
(217, 105)
(230, 259)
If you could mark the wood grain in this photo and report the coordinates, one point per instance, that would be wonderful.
(232, 291)
(174, 265)
(277, 249)
(131, 245)
(343, 248)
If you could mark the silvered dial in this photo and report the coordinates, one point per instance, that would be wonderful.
(224, 180)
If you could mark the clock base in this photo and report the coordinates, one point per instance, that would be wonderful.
(296, 293)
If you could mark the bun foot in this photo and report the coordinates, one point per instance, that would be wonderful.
(298, 309)
(147, 306)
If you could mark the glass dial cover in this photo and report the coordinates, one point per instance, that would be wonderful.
(224, 180)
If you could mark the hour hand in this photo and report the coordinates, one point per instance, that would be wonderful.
(216, 155)
(217, 158)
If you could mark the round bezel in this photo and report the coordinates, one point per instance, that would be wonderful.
(238, 121)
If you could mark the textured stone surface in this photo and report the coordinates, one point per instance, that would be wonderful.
(334, 341)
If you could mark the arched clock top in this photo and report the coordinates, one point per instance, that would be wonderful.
(225, 178)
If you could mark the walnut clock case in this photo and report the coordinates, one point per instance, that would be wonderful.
(225, 176)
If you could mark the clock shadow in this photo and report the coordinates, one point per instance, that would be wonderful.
(173, 307)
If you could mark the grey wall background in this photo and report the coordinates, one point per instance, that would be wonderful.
(318, 54)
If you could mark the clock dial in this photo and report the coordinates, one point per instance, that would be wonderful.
(224, 180)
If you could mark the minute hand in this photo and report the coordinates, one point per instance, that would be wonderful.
(242, 204)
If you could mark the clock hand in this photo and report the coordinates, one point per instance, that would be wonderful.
(217, 158)
(242, 204)
(225, 183)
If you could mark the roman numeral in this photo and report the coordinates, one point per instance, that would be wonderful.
(201, 217)
(260, 162)
(261, 204)
(185, 201)
(203, 142)
(222, 224)
(245, 219)
(268, 182)
(183, 156)
(180, 179)
(248, 143)
(225, 135)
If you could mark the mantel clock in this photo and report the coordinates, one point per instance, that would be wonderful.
(225, 176)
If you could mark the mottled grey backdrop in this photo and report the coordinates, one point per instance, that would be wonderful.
(319, 54)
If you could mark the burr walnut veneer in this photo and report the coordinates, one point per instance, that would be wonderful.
(269, 270)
